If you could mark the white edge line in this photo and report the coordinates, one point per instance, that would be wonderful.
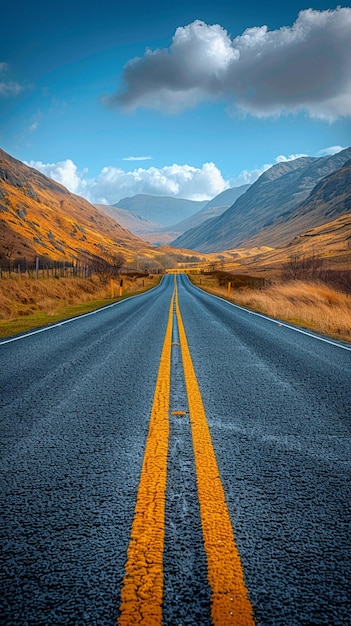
(77, 317)
(278, 322)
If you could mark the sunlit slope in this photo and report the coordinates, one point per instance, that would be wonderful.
(40, 217)
(43, 218)
(330, 244)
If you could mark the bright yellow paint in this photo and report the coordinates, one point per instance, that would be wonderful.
(143, 582)
(142, 590)
(229, 599)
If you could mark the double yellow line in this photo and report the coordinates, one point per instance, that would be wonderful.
(142, 591)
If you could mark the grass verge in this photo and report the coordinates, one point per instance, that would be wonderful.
(26, 304)
(312, 305)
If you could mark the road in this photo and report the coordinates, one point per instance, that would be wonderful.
(168, 456)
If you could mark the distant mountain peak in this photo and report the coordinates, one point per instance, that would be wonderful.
(285, 167)
(164, 210)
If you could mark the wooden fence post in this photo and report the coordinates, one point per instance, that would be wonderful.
(112, 288)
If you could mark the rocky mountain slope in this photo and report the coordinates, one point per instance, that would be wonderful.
(40, 217)
(269, 202)
(213, 208)
(329, 199)
(326, 247)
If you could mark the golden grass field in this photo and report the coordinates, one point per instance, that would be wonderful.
(309, 304)
(28, 303)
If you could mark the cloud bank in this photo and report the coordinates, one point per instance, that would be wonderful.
(179, 181)
(305, 67)
(112, 183)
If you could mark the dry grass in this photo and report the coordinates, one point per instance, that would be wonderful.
(24, 296)
(312, 305)
(27, 303)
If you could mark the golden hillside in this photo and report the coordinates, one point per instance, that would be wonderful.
(330, 244)
(40, 217)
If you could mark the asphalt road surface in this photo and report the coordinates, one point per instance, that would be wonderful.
(100, 459)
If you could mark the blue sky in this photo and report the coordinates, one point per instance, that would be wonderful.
(212, 100)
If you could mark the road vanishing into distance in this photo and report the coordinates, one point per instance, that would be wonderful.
(174, 459)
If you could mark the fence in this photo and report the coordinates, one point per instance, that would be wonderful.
(41, 267)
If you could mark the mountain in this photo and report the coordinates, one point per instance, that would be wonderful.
(226, 197)
(328, 246)
(158, 233)
(213, 208)
(328, 200)
(269, 202)
(163, 210)
(40, 217)
(135, 223)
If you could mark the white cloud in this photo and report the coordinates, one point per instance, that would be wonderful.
(282, 159)
(329, 151)
(8, 87)
(179, 181)
(64, 172)
(248, 177)
(112, 183)
(303, 67)
(138, 158)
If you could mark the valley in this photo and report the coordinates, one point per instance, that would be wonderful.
(307, 241)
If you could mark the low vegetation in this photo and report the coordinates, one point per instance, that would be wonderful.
(311, 304)
(27, 303)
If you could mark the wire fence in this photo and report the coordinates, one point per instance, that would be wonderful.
(43, 267)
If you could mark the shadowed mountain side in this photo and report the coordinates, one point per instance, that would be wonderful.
(213, 208)
(330, 198)
(163, 210)
(275, 195)
(160, 234)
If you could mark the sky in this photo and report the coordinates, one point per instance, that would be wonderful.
(185, 99)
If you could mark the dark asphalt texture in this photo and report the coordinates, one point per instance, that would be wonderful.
(75, 404)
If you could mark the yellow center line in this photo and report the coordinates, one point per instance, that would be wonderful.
(229, 599)
(142, 591)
